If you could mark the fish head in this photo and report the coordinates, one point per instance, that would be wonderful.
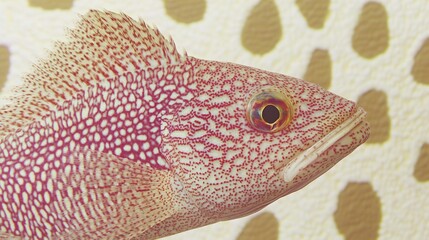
(249, 137)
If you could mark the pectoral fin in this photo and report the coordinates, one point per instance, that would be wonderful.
(111, 197)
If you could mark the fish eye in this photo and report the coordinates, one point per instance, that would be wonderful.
(269, 110)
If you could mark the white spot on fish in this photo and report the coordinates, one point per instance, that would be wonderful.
(220, 99)
(184, 148)
(215, 154)
(215, 141)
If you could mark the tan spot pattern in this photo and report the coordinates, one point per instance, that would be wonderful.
(51, 4)
(420, 69)
(265, 226)
(4, 65)
(371, 34)
(358, 213)
(262, 29)
(375, 103)
(421, 169)
(315, 12)
(319, 69)
(185, 11)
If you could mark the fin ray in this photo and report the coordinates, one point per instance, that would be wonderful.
(113, 197)
(102, 45)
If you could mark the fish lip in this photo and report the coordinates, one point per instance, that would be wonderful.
(291, 170)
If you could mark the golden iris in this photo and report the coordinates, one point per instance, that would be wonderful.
(269, 111)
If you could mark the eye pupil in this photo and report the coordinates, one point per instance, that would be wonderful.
(270, 114)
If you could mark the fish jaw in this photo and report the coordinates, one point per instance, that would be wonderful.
(328, 151)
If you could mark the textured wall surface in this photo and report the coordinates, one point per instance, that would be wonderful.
(372, 52)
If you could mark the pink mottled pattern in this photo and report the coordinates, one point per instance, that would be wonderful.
(105, 96)
(118, 136)
(120, 117)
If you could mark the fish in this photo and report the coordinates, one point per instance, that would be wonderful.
(117, 135)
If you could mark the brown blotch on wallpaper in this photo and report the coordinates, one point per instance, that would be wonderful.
(51, 4)
(376, 105)
(4, 65)
(315, 12)
(319, 69)
(264, 226)
(358, 213)
(420, 70)
(421, 169)
(262, 29)
(371, 34)
(185, 11)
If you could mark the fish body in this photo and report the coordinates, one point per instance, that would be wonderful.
(118, 136)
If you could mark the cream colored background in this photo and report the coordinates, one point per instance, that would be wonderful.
(385, 169)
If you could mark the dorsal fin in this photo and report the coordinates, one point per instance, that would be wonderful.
(103, 45)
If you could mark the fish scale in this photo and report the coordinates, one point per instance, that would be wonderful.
(117, 135)
(77, 124)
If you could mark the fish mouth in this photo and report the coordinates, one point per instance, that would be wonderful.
(330, 149)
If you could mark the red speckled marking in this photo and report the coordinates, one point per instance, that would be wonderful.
(220, 144)
(229, 168)
(116, 135)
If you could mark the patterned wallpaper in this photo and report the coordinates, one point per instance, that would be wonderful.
(374, 52)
